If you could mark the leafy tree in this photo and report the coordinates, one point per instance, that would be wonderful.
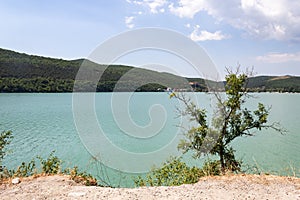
(231, 120)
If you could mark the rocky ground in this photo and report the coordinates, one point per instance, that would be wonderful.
(222, 187)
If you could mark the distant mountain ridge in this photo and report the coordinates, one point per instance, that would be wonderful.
(21, 72)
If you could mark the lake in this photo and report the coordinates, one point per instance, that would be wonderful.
(45, 122)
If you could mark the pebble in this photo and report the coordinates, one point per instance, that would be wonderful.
(15, 181)
(76, 194)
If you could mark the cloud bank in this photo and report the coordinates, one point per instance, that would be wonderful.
(279, 57)
(264, 19)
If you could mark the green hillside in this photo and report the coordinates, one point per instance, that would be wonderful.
(274, 84)
(27, 73)
(20, 72)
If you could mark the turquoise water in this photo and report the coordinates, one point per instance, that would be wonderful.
(44, 122)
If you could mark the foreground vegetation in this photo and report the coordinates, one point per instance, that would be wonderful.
(49, 166)
(176, 172)
(231, 120)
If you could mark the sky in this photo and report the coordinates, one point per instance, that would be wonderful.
(263, 34)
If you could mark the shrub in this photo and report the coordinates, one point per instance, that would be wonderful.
(25, 170)
(52, 165)
(5, 139)
(81, 177)
(173, 172)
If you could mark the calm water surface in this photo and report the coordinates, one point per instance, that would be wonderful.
(44, 122)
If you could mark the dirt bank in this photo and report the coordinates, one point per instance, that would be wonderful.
(224, 187)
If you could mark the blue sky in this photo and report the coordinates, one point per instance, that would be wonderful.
(263, 34)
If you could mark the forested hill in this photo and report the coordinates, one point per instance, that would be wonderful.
(26, 73)
(284, 83)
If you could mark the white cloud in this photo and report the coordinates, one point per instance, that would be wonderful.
(266, 19)
(162, 10)
(135, 2)
(155, 6)
(188, 8)
(205, 35)
(279, 57)
(269, 8)
(129, 21)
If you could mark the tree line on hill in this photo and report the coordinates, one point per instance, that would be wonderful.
(20, 72)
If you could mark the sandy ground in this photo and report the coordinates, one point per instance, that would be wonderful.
(224, 187)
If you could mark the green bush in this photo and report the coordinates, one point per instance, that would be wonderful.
(25, 169)
(52, 165)
(211, 168)
(176, 172)
(81, 177)
(173, 172)
(5, 139)
(49, 166)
